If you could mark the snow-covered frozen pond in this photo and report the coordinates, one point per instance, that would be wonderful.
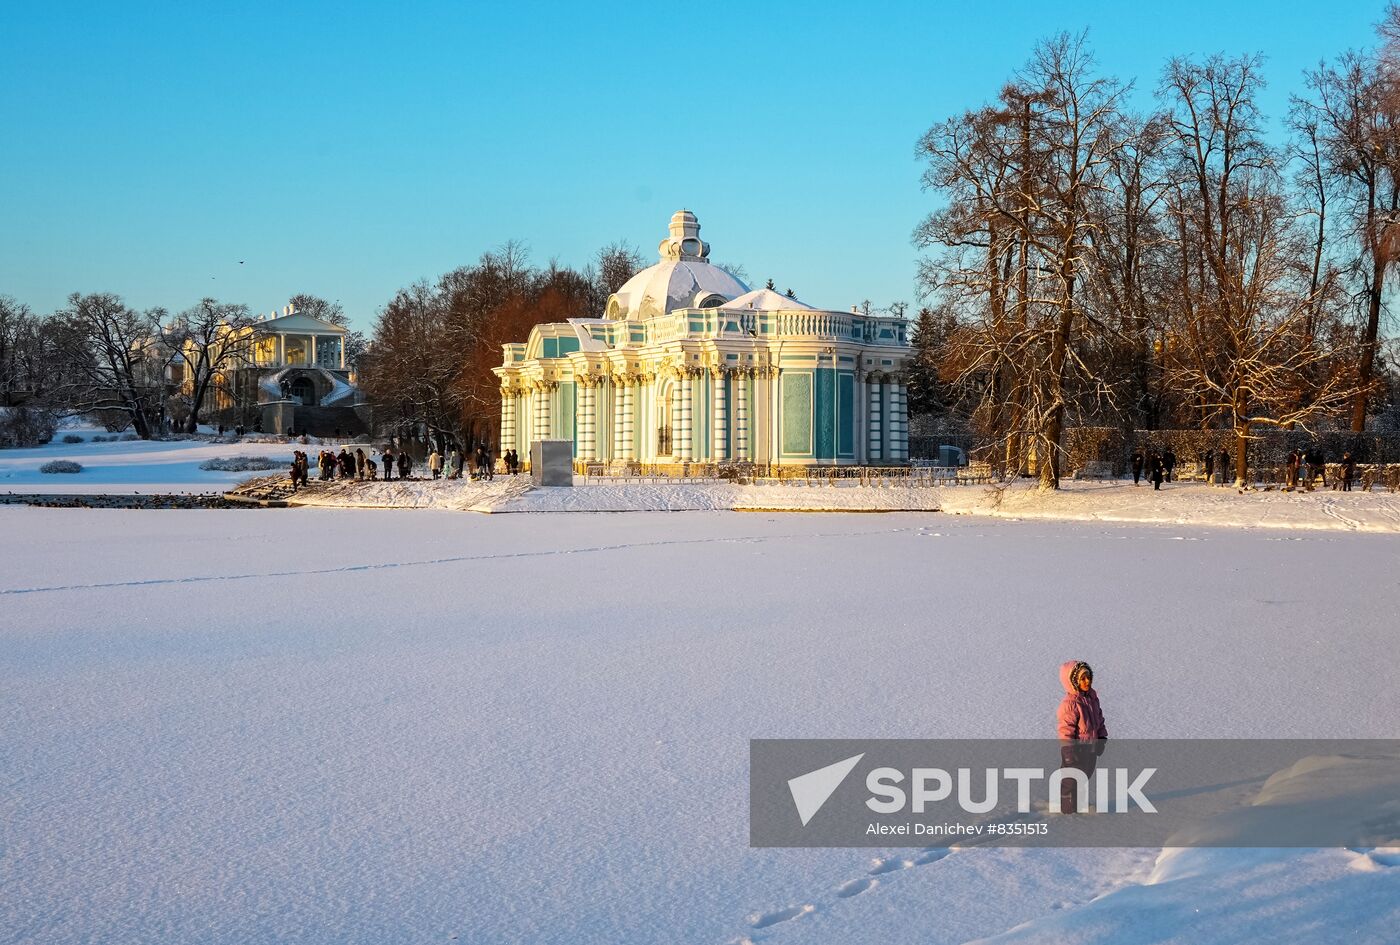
(339, 725)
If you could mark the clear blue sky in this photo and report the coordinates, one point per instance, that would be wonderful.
(347, 149)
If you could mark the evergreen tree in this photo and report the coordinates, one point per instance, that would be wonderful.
(928, 395)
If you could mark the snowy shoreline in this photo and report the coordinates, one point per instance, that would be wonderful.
(130, 468)
(1102, 502)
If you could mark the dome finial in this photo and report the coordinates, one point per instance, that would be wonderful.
(684, 241)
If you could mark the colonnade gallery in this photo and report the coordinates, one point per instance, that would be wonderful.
(688, 365)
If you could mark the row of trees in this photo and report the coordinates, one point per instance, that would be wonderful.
(101, 357)
(434, 344)
(1090, 264)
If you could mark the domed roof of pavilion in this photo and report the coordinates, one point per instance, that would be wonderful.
(684, 278)
(766, 300)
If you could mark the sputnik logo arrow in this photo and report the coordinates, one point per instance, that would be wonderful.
(811, 790)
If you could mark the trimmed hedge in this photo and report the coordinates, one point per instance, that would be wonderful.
(242, 464)
(61, 466)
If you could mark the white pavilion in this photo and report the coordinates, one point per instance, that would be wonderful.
(688, 365)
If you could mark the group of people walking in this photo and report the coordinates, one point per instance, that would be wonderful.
(360, 465)
(331, 465)
(1161, 467)
(1303, 468)
(455, 462)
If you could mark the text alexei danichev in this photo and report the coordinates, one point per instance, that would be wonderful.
(956, 830)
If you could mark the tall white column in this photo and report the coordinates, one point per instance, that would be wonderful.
(620, 389)
(899, 420)
(741, 415)
(544, 394)
(773, 413)
(720, 425)
(507, 422)
(877, 437)
(629, 418)
(314, 360)
(583, 410)
(686, 449)
(887, 417)
(677, 387)
(859, 418)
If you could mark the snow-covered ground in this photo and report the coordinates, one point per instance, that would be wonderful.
(339, 725)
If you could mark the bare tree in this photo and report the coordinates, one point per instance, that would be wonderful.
(1239, 337)
(211, 339)
(1124, 287)
(614, 265)
(316, 307)
(1018, 182)
(1352, 125)
(115, 359)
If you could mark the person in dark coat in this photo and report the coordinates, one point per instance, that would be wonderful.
(405, 464)
(299, 469)
(1348, 470)
(1222, 467)
(1295, 459)
(1157, 471)
(1137, 466)
(359, 463)
(1169, 463)
(347, 463)
(1317, 466)
(388, 463)
(1208, 464)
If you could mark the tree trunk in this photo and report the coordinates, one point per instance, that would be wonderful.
(1366, 368)
(1059, 349)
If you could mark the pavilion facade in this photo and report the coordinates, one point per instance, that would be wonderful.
(688, 365)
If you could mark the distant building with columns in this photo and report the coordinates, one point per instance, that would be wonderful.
(289, 372)
(688, 364)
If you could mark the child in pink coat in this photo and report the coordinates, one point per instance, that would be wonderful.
(1080, 726)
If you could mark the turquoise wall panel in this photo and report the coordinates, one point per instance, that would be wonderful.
(845, 414)
(797, 413)
(568, 418)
